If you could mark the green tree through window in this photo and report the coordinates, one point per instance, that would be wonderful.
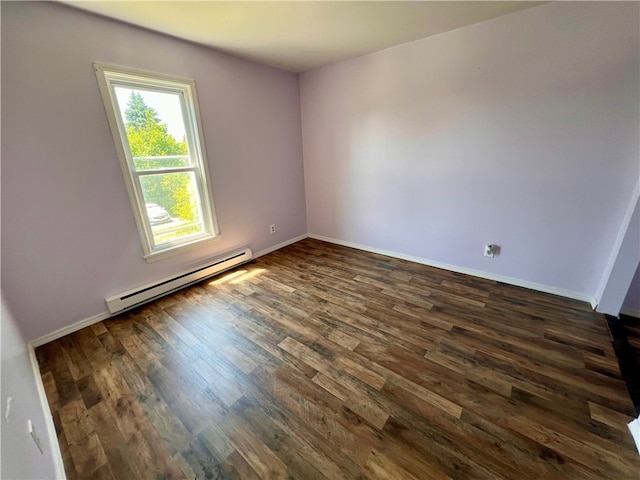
(148, 137)
(155, 124)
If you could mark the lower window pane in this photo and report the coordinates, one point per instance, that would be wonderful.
(172, 206)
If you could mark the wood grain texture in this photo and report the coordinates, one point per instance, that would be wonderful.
(323, 362)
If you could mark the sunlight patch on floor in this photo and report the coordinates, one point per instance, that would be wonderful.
(238, 276)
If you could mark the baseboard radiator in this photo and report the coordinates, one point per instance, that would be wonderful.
(137, 296)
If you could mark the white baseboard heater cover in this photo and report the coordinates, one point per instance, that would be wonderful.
(137, 296)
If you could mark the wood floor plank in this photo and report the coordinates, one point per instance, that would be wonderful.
(67, 460)
(76, 360)
(89, 458)
(258, 455)
(238, 468)
(379, 466)
(201, 462)
(609, 417)
(368, 410)
(163, 418)
(321, 454)
(603, 462)
(136, 427)
(122, 460)
(321, 362)
(84, 445)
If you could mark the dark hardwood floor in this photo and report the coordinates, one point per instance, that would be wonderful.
(324, 362)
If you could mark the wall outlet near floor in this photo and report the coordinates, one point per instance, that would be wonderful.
(7, 411)
(272, 228)
(32, 431)
(491, 250)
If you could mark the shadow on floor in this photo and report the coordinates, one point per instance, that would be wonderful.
(625, 332)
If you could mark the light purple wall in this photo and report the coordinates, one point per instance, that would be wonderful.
(623, 260)
(68, 233)
(626, 258)
(632, 300)
(20, 455)
(521, 131)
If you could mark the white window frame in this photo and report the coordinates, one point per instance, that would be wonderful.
(111, 76)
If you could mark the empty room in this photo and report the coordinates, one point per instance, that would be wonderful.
(320, 240)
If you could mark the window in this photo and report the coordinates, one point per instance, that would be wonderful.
(156, 127)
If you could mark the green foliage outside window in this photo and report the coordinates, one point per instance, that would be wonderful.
(148, 137)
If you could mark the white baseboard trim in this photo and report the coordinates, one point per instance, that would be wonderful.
(594, 303)
(286, 243)
(631, 313)
(635, 432)
(424, 261)
(74, 327)
(50, 337)
(467, 271)
(56, 455)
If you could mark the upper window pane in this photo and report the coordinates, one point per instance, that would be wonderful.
(154, 124)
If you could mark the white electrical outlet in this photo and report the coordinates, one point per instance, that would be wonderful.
(489, 250)
(272, 228)
(34, 435)
(7, 411)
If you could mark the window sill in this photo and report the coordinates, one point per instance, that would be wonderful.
(171, 251)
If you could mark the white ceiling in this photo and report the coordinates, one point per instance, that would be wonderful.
(301, 35)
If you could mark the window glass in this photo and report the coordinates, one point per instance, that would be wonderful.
(155, 125)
